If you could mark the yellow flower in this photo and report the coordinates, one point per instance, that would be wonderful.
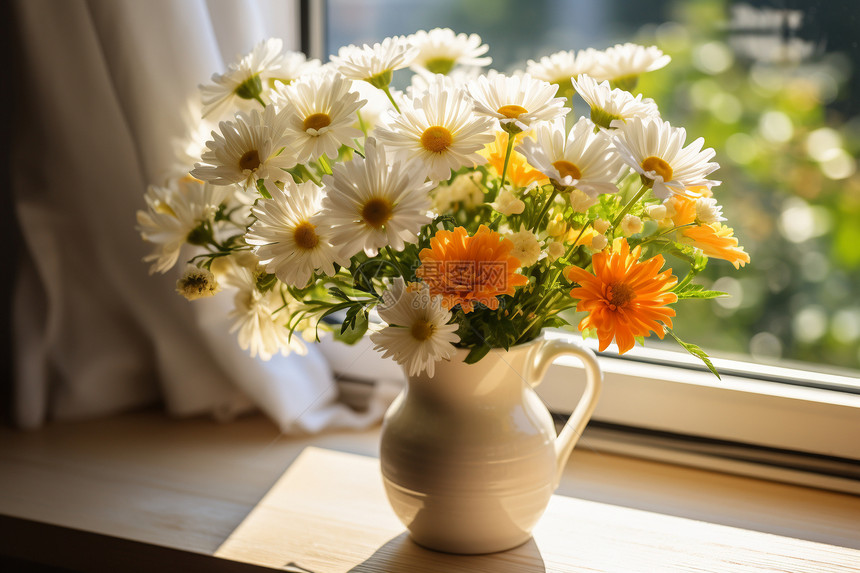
(714, 239)
(520, 173)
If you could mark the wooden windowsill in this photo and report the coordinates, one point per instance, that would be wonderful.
(145, 491)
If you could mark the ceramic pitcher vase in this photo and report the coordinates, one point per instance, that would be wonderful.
(470, 457)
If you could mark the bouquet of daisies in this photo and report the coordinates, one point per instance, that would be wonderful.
(471, 211)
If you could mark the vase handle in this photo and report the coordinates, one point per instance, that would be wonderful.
(572, 430)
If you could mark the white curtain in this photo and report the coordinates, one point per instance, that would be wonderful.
(109, 86)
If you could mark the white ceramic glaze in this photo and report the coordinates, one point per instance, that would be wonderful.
(470, 456)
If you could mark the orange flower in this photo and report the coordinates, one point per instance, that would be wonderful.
(624, 298)
(715, 239)
(465, 269)
(519, 173)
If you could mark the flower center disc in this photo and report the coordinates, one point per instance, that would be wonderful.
(316, 121)
(659, 166)
(306, 236)
(422, 330)
(377, 212)
(436, 139)
(567, 169)
(619, 295)
(512, 111)
(250, 160)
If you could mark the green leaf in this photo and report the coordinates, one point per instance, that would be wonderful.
(261, 187)
(477, 353)
(697, 291)
(338, 294)
(266, 281)
(695, 351)
(355, 331)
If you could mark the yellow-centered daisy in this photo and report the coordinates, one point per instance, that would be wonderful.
(656, 151)
(254, 146)
(374, 202)
(581, 159)
(417, 334)
(438, 132)
(321, 111)
(290, 239)
(516, 101)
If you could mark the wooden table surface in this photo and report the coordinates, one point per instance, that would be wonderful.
(139, 492)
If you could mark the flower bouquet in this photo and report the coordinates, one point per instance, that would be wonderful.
(472, 210)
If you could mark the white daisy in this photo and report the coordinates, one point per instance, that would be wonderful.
(373, 202)
(516, 101)
(244, 81)
(289, 67)
(260, 318)
(252, 147)
(656, 151)
(174, 216)
(439, 133)
(375, 64)
(582, 159)
(417, 334)
(441, 50)
(291, 241)
(320, 115)
(622, 64)
(611, 108)
(560, 67)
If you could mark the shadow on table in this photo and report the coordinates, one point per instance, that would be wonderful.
(402, 555)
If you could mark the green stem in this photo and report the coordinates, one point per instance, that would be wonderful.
(545, 209)
(326, 168)
(628, 206)
(507, 158)
(259, 99)
(546, 302)
(307, 172)
(391, 98)
(395, 262)
(361, 123)
(666, 232)
(578, 237)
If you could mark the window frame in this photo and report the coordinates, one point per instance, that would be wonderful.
(660, 391)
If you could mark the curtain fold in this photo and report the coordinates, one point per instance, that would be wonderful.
(111, 89)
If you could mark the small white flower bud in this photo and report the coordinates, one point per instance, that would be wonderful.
(581, 201)
(555, 250)
(601, 225)
(507, 204)
(599, 242)
(657, 212)
(630, 225)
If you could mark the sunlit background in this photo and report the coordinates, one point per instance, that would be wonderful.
(773, 88)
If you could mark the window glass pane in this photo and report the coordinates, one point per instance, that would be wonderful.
(772, 87)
